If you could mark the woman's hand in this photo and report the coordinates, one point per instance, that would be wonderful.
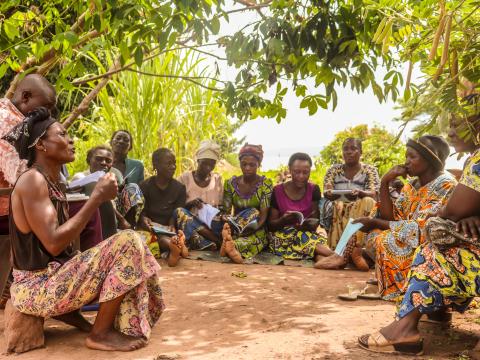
(367, 222)
(395, 172)
(194, 204)
(123, 224)
(469, 227)
(288, 217)
(309, 224)
(328, 195)
(106, 188)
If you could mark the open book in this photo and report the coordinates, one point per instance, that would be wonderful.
(348, 232)
(239, 229)
(159, 229)
(91, 178)
(301, 219)
(206, 214)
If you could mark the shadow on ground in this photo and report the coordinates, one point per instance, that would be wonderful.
(275, 312)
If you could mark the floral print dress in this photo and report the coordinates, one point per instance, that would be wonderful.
(448, 277)
(394, 248)
(246, 208)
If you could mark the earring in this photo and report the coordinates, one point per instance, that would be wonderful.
(44, 149)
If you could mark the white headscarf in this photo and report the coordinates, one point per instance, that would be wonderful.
(208, 150)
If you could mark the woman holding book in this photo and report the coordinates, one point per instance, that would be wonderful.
(350, 189)
(247, 199)
(204, 194)
(294, 213)
(396, 233)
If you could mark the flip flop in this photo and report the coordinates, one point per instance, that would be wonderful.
(372, 281)
(352, 294)
(370, 292)
(376, 342)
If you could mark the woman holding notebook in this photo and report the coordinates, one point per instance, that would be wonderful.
(294, 214)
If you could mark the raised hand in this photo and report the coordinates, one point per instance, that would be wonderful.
(106, 188)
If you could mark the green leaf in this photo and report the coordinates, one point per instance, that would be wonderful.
(138, 56)
(10, 29)
(3, 69)
(215, 25)
(312, 108)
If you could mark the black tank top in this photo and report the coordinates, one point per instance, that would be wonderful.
(28, 252)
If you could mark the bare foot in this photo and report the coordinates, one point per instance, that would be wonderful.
(181, 238)
(332, 262)
(175, 251)
(229, 246)
(226, 232)
(76, 319)
(114, 340)
(359, 260)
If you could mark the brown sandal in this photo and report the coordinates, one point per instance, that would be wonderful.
(376, 342)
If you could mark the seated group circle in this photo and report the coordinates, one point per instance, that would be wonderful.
(127, 221)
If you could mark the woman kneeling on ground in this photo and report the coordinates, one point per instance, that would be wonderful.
(163, 194)
(248, 196)
(442, 275)
(292, 202)
(203, 186)
(50, 278)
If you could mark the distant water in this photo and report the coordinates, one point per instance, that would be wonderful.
(274, 158)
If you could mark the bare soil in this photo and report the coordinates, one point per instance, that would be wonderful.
(275, 312)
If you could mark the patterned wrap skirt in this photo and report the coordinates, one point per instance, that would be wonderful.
(191, 225)
(294, 244)
(442, 278)
(250, 245)
(120, 265)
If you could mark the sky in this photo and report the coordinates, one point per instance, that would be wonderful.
(301, 132)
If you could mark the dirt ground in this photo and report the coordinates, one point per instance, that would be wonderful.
(275, 312)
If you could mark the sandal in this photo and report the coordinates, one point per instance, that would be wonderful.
(376, 342)
(352, 294)
(370, 292)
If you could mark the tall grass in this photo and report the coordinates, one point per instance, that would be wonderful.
(158, 112)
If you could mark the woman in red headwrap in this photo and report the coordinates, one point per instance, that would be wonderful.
(247, 199)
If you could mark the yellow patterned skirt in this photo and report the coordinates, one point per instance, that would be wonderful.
(120, 265)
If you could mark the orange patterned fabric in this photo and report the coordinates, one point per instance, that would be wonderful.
(395, 247)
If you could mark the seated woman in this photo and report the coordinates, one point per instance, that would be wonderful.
(287, 237)
(50, 278)
(394, 236)
(248, 196)
(361, 179)
(131, 169)
(163, 194)
(441, 277)
(125, 212)
(203, 187)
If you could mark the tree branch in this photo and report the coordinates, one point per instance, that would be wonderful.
(192, 79)
(83, 106)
